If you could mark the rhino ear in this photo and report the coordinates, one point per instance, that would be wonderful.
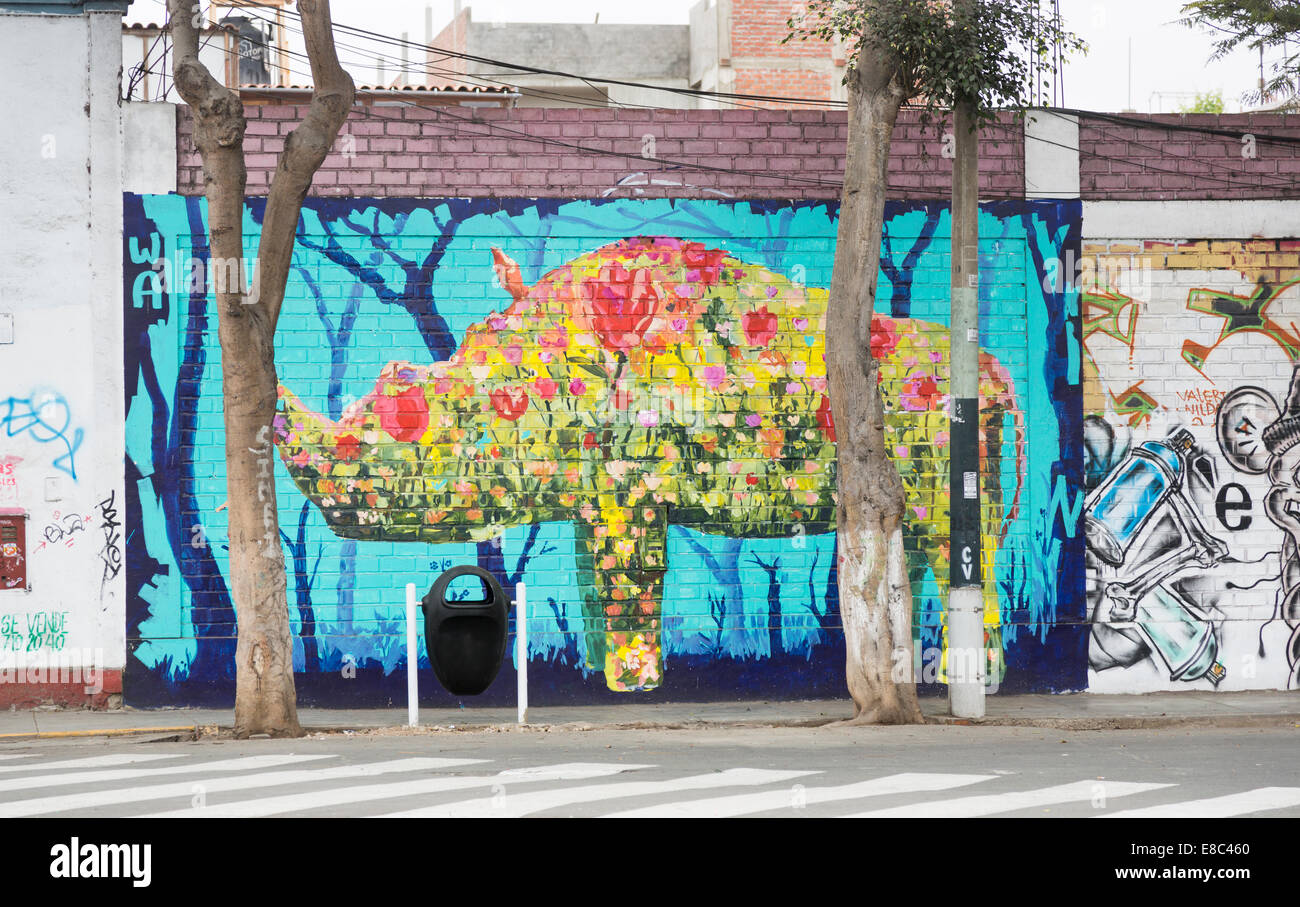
(508, 276)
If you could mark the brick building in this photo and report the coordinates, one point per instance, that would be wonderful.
(728, 46)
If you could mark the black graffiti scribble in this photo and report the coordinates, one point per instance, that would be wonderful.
(111, 553)
(65, 529)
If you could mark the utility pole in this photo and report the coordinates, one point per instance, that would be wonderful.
(967, 661)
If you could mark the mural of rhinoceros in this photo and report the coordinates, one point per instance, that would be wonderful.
(648, 382)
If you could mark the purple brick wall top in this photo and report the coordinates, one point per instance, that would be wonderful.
(430, 152)
(785, 154)
(1136, 160)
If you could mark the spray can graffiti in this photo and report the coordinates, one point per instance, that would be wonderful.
(1125, 503)
(1140, 523)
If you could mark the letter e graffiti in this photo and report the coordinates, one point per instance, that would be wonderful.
(1232, 498)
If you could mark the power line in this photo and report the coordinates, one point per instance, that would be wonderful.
(480, 77)
(1145, 165)
(521, 67)
(783, 176)
(1277, 139)
(1130, 120)
(495, 128)
(485, 78)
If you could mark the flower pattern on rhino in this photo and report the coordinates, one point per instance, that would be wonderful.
(650, 381)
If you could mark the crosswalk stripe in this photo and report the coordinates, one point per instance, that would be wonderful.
(1251, 801)
(270, 806)
(187, 790)
(989, 804)
(124, 774)
(763, 801)
(17, 755)
(87, 762)
(513, 805)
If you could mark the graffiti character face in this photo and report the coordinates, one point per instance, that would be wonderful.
(1283, 501)
(1280, 439)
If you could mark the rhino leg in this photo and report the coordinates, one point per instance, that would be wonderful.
(622, 589)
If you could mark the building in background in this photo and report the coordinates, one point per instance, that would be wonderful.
(249, 50)
(728, 46)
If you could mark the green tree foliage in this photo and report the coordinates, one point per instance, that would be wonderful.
(988, 52)
(1205, 102)
(1255, 24)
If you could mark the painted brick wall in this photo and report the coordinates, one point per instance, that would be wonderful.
(399, 458)
(1138, 161)
(785, 154)
(1199, 337)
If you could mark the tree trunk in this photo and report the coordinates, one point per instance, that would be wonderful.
(265, 697)
(875, 595)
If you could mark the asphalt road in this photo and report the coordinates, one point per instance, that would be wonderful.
(779, 772)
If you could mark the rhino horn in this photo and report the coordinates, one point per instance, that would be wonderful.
(508, 274)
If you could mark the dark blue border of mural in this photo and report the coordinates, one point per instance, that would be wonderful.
(1060, 657)
(1055, 662)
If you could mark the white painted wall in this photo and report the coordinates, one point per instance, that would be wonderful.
(149, 148)
(61, 280)
(1247, 219)
(1051, 155)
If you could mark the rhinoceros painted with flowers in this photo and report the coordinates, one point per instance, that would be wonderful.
(648, 382)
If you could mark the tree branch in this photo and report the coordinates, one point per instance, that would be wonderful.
(304, 151)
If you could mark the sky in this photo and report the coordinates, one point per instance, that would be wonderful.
(1169, 62)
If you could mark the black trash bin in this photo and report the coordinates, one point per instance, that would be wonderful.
(466, 639)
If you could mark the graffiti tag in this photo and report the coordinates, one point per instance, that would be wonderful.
(111, 552)
(46, 417)
(63, 528)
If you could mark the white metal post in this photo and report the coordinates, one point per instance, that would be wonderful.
(521, 649)
(412, 661)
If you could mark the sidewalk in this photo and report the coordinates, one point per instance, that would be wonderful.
(1075, 711)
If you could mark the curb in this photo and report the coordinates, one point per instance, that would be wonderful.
(103, 732)
(1127, 722)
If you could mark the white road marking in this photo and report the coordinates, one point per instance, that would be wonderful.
(125, 774)
(789, 798)
(512, 805)
(270, 806)
(87, 762)
(989, 804)
(1251, 801)
(187, 790)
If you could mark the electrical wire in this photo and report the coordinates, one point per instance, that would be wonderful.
(784, 176)
(1091, 114)
(485, 80)
(380, 38)
(1229, 182)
